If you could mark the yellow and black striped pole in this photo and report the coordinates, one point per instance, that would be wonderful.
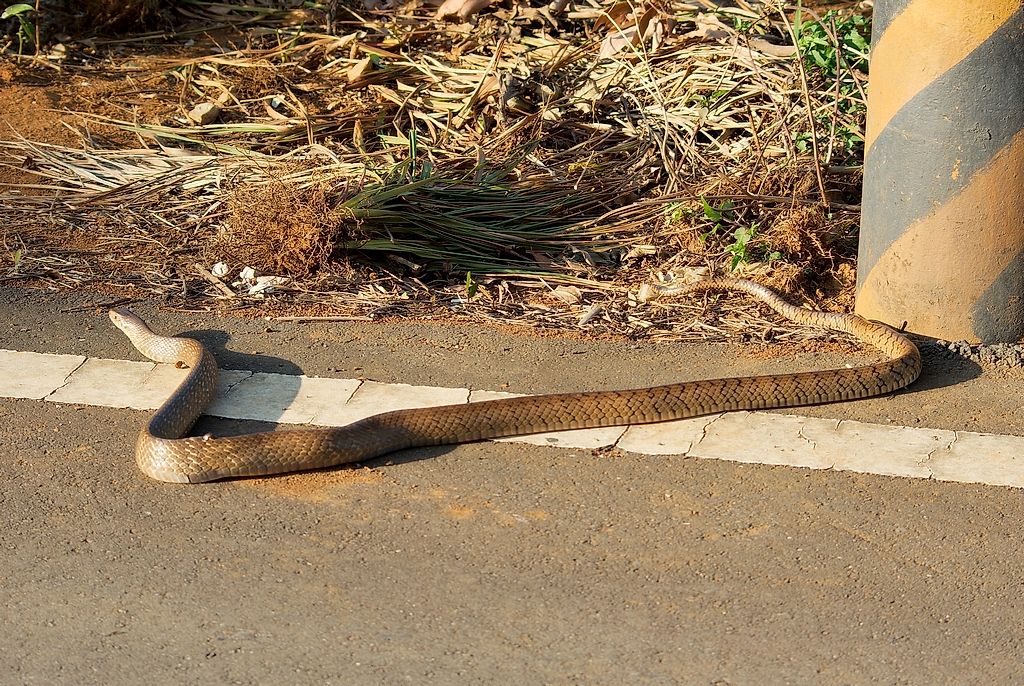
(942, 231)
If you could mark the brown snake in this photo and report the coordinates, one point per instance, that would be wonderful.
(163, 454)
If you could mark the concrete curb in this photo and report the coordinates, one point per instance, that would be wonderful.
(753, 437)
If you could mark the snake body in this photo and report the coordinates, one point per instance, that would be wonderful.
(162, 452)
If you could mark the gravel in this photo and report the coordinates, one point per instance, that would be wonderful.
(996, 354)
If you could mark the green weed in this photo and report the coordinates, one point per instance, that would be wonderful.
(835, 50)
(675, 212)
(744, 250)
(720, 215)
(26, 29)
(848, 51)
(740, 248)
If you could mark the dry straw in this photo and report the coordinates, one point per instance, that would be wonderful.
(391, 160)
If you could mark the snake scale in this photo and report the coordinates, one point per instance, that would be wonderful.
(163, 453)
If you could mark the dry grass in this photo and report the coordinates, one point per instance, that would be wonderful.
(390, 159)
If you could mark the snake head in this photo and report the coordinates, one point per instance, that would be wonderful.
(132, 326)
(125, 319)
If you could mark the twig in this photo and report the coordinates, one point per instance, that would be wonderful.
(809, 107)
(328, 318)
(206, 274)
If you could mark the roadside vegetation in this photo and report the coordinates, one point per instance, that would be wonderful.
(552, 164)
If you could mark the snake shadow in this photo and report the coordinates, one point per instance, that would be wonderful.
(941, 367)
(270, 404)
(271, 397)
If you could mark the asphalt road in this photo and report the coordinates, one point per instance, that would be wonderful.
(493, 563)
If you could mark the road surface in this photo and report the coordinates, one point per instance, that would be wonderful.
(493, 563)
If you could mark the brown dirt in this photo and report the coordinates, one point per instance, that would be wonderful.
(29, 107)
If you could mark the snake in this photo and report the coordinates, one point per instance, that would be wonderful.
(165, 452)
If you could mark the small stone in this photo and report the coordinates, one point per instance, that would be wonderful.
(204, 113)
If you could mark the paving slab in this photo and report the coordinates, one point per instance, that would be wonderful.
(34, 375)
(119, 383)
(752, 437)
(980, 458)
(281, 398)
(667, 438)
(761, 438)
(877, 448)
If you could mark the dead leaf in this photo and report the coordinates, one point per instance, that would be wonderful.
(570, 295)
(360, 71)
(769, 48)
(708, 27)
(592, 312)
(268, 107)
(658, 30)
(299, 16)
(491, 85)
(615, 17)
(647, 26)
(618, 41)
(463, 9)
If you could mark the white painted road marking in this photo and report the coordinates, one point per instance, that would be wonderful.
(757, 437)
